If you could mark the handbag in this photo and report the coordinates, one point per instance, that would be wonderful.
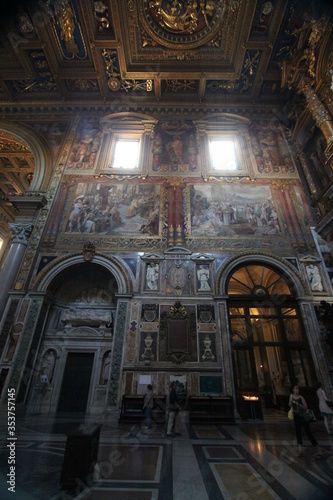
(329, 403)
(291, 414)
(309, 416)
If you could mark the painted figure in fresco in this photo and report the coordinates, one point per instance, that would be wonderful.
(314, 278)
(48, 365)
(75, 215)
(174, 149)
(203, 279)
(152, 276)
(269, 148)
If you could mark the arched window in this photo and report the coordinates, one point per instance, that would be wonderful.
(270, 349)
(258, 280)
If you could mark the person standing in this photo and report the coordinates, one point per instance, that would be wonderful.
(148, 404)
(325, 410)
(298, 403)
(174, 407)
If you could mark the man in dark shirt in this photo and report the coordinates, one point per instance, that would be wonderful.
(148, 404)
(173, 411)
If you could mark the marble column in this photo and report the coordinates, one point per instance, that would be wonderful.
(117, 351)
(21, 235)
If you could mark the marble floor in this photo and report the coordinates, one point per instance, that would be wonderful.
(249, 460)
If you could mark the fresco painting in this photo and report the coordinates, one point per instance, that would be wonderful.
(175, 148)
(270, 150)
(115, 209)
(246, 210)
(85, 149)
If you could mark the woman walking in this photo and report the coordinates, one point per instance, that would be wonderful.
(298, 403)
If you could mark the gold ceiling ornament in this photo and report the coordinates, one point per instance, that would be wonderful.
(66, 22)
(110, 59)
(114, 84)
(101, 15)
(180, 23)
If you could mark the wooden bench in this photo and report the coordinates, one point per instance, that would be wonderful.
(132, 409)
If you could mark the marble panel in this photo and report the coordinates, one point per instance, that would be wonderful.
(209, 432)
(123, 494)
(236, 480)
(130, 463)
(222, 452)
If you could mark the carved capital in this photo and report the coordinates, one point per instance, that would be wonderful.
(21, 232)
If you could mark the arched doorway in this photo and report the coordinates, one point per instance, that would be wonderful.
(74, 357)
(269, 346)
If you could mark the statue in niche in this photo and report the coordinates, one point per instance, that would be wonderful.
(47, 367)
(208, 350)
(152, 276)
(106, 368)
(148, 353)
(203, 279)
(314, 278)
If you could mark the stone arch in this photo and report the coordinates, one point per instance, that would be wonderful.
(44, 279)
(40, 150)
(278, 263)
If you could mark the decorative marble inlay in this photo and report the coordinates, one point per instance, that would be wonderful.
(119, 335)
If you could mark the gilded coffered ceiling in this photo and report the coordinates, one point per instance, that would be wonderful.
(156, 51)
(62, 58)
(16, 166)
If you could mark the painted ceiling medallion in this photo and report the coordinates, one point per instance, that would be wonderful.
(175, 23)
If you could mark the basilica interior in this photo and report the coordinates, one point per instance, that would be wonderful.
(166, 215)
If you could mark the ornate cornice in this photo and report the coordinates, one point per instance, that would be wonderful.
(27, 112)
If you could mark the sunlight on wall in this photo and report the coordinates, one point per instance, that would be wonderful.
(223, 155)
(126, 154)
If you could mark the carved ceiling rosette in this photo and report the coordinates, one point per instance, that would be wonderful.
(183, 23)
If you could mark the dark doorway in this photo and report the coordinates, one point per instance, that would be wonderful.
(75, 383)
